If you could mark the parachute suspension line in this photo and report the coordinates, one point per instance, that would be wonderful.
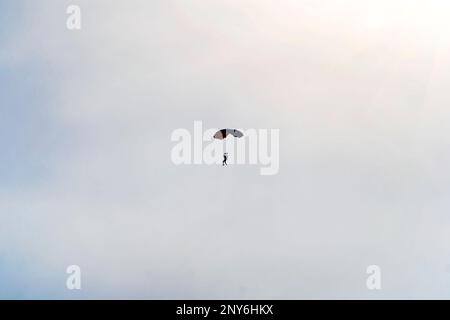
(224, 135)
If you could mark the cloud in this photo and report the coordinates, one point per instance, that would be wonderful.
(361, 109)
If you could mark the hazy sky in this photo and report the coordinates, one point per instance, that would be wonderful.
(358, 89)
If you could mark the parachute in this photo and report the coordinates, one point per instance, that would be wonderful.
(223, 133)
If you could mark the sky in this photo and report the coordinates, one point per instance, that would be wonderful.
(358, 90)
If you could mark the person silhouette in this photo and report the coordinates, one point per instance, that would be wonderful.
(225, 158)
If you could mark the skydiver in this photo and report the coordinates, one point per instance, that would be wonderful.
(225, 158)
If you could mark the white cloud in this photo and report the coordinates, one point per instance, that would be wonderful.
(362, 178)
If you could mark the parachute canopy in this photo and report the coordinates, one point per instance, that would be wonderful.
(223, 133)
